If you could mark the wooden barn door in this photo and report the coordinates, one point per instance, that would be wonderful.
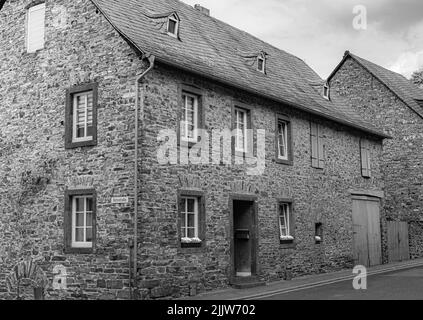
(398, 245)
(366, 228)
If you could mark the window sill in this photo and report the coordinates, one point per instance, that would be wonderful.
(284, 162)
(74, 145)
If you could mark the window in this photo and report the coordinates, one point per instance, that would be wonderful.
(317, 146)
(283, 140)
(241, 128)
(326, 92)
(35, 28)
(365, 158)
(189, 218)
(192, 219)
(81, 116)
(286, 223)
(80, 221)
(261, 63)
(189, 125)
(318, 237)
(173, 25)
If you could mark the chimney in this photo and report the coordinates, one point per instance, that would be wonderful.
(202, 9)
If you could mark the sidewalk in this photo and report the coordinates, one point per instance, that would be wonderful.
(301, 283)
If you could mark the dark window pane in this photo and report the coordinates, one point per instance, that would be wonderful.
(172, 26)
(79, 217)
(191, 220)
(89, 219)
(79, 204)
(89, 234)
(79, 235)
(191, 233)
(89, 204)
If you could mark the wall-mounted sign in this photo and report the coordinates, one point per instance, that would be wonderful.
(120, 200)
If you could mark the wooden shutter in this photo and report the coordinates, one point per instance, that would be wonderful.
(365, 158)
(317, 146)
(320, 142)
(314, 145)
(35, 27)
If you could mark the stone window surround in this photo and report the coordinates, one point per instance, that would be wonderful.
(69, 194)
(201, 219)
(287, 120)
(287, 244)
(69, 144)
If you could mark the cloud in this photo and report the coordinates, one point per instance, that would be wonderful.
(407, 63)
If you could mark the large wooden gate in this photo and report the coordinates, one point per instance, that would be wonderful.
(366, 228)
(398, 245)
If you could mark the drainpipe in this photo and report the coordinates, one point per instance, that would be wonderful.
(151, 60)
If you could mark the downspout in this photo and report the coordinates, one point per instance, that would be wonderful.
(151, 60)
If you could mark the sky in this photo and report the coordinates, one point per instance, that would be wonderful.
(386, 32)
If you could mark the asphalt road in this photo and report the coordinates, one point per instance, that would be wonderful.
(400, 285)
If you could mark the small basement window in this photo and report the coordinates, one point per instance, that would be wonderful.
(326, 92)
(261, 63)
(173, 25)
(318, 237)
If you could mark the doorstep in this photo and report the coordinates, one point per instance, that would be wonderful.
(301, 283)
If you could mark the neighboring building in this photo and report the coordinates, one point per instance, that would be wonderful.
(394, 104)
(69, 78)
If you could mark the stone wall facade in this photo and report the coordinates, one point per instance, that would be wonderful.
(36, 169)
(81, 46)
(402, 156)
(318, 196)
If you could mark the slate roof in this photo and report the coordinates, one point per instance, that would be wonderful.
(216, 50)
(404, 89)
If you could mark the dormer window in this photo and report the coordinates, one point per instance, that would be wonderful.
(173, 25)
(326, 92)
(261, 63)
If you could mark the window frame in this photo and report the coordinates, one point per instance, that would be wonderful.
(289, 160)
(69, 222)
(200, 219)
(248, 138)
(365, 158)
(191, 90)
(319, 162)
(286, 244)
(263, 59)
(70, 123)
(326, 92)
(74, 243)
(175, 19)
(31, 8)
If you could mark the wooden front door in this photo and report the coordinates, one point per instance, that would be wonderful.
(366, 228)
(398, 244)
(244, 238)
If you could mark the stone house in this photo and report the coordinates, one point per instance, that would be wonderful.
(395, 105)
(246, 168)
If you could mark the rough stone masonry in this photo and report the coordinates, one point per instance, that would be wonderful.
(81, 47)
